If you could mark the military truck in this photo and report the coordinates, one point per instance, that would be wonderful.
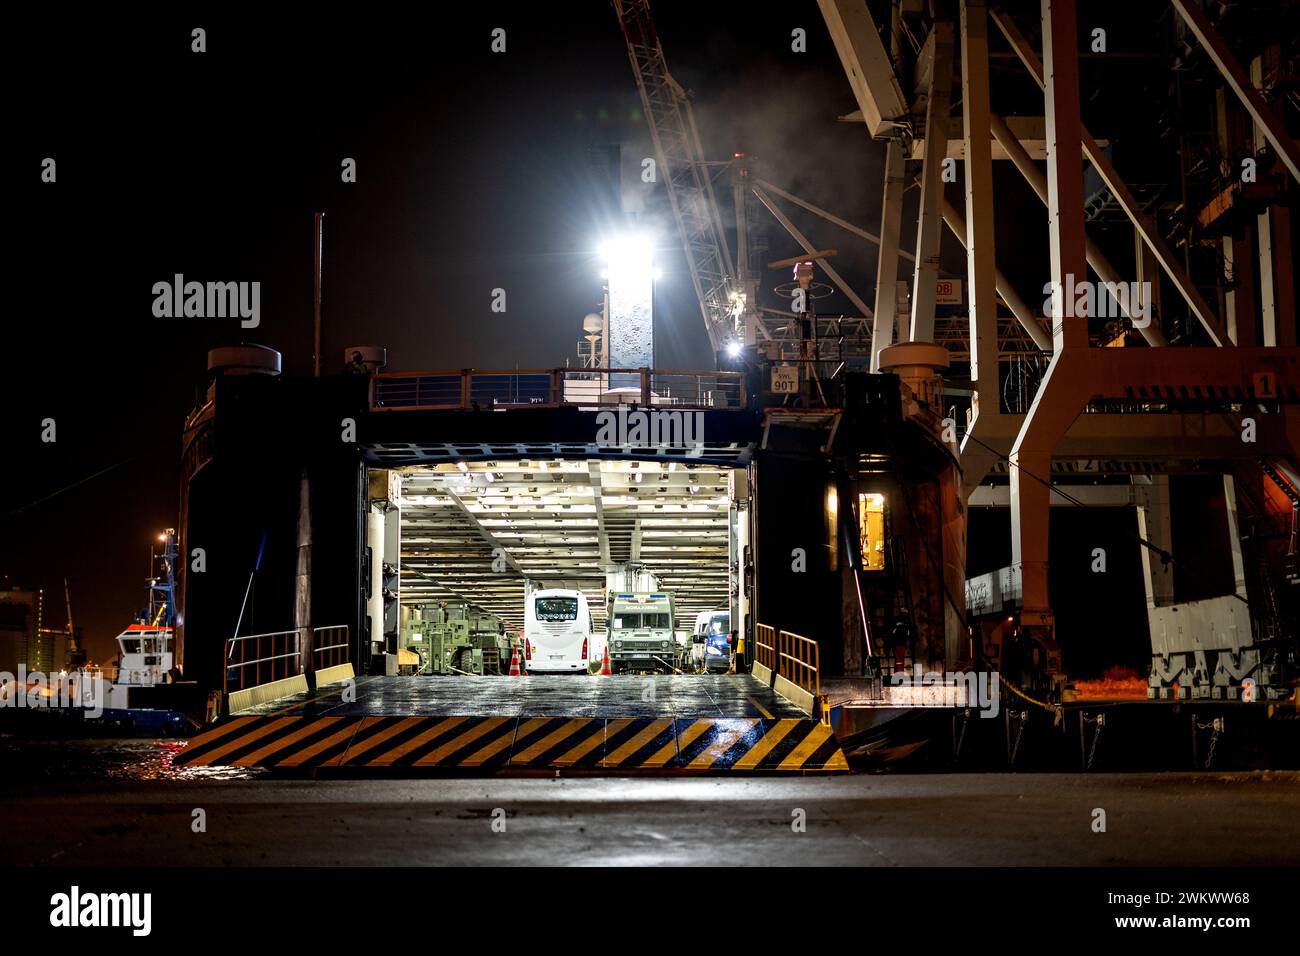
(456, 638)
(641, 632)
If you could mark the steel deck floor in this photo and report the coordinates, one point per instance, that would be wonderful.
(661, 696)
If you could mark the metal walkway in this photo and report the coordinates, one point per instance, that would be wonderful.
(495, 724)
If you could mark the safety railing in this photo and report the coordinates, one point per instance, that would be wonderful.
(765, 646)
(256, 659)
(488, 390)
(799, 661)
(330, 646)
(607, 386)
(697, 389)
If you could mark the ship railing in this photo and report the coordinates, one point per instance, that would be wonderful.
(799, 661)
(477, 389)
(255, 659)
(330, 646)
(765, 646)
(793, 668)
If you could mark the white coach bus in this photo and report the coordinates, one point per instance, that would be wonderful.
(557, 632)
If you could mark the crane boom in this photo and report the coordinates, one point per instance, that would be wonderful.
(67, 597)
(681, 164)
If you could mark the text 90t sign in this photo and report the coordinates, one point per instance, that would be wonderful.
(785, 379)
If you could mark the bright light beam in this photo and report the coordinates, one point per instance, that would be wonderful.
(630, 273)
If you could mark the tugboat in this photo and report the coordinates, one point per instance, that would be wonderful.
(146, 696)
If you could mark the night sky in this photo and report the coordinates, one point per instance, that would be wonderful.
(474, 172)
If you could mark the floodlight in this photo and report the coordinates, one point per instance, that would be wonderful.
(629, 255)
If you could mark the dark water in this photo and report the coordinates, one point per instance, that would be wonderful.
(34, 760)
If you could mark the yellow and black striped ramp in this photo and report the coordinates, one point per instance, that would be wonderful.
(592, 744)
(762, 745)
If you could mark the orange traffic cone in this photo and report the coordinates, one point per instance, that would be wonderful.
(605, 670)
(514, 663)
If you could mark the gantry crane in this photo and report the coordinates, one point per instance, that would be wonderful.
(727, 288)
(685, 173)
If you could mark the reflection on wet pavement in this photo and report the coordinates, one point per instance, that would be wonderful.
(27, 760)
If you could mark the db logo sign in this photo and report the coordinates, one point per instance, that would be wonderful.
(1248, 691)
